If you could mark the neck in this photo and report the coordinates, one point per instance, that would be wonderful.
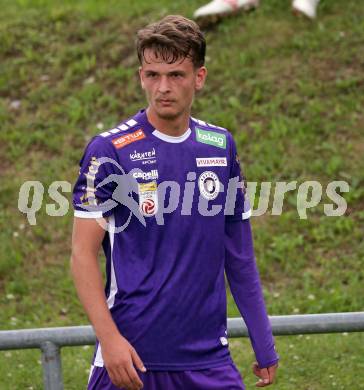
(173, 127)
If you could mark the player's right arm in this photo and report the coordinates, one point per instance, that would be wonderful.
(119, 356)
(89, 200)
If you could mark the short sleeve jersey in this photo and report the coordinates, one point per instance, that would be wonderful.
(166, 200)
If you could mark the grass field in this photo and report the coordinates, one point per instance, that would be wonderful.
(290, 90)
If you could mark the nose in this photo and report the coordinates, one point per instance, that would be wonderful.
(164, 86)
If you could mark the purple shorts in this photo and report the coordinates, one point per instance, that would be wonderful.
(225, 377)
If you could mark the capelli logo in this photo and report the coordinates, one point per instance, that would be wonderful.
(151, 175)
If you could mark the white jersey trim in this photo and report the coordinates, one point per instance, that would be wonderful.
(113, 285)
(121, 127)
(171, 139)
(99, 361)
(91, 372)
(247, 214)
(88, 214)
(203, 123)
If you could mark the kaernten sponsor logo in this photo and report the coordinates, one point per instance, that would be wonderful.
(144, 162)
(211, 162)
(128, 139)
(143, 156)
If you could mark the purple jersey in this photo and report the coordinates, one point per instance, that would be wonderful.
(173, 231)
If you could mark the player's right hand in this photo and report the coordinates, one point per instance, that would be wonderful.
(119, 359)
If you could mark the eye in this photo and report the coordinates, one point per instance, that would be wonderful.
(176, 75)
(151, 75)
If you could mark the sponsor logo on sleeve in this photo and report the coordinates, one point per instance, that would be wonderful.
(211, 138)
(128, 139)
(148, 198)
(89, 197)
(211, 162)
(224, 341)
(209, 185)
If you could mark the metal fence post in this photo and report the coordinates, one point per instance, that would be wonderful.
(52, 367)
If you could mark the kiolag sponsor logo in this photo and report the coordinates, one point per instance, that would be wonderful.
(146, 157)
(211, 138)
(151, 175)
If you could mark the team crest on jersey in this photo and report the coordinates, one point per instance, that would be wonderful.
(148, 198)
(128, 139)
(209, 185)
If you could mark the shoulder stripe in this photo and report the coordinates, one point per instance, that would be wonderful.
(131, 123)
(122, 127)
(202, 123)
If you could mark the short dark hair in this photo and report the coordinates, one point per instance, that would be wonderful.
(172, 38)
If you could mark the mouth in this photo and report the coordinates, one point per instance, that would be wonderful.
(165, 101)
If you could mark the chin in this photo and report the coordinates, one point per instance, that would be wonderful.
(168, 114)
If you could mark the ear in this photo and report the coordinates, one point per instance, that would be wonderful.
(201, 75)
(141, 77)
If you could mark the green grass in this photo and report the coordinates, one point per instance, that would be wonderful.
(290, 91)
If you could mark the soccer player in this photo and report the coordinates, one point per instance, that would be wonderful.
(162, 194)
(220, 8)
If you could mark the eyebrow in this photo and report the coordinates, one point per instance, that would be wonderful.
(179, 72)
(172, 72)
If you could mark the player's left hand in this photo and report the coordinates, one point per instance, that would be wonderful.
(266, 375)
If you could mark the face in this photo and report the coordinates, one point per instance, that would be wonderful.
(170, 88)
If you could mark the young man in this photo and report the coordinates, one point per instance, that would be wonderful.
(157, 183)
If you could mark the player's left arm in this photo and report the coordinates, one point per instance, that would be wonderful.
(243, 277)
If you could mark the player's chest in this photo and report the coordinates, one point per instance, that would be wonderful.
(162, 161)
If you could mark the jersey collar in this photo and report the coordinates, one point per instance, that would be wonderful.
(142, 117)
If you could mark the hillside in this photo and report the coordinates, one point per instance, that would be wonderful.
(290, 90)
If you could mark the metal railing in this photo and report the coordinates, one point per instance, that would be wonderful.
(50, 340)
